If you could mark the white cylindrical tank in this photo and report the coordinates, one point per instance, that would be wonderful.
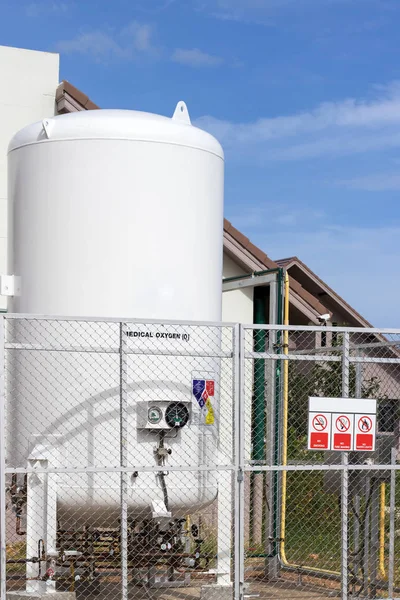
(115, 214)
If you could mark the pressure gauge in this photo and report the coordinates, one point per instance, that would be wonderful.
(154, 415)
(176, 415)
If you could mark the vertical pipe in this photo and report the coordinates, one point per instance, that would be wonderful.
(356, 534)
(227, 499)
(285, 408)
(258, 418)
(123, 408)
(271, 562)
(382, 570)
(345, 471)
(368, 491)
(237, 542)
(392, 504)
(277, 440)
(357, 499)
(239, 462)
(345, 491)
(374, 536)
(2, 468)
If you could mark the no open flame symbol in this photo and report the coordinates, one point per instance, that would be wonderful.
(365, 424)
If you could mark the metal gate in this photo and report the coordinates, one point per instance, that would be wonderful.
(169, 460)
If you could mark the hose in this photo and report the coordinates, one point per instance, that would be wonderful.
(282, 551)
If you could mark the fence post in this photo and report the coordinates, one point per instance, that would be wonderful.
(392, 524)
(123, 407)
(345, 471)
(239, 460)
(2, 467)
(272, 558)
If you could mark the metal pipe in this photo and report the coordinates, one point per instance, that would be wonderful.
(270, 555)
(277, 413)
(18, 529)
(345, 526)
(250, 275)
(3, 508)
(123, 459)
(282, 551)
(392, 504)
(258, 418)
(285, 420)
(382, 570)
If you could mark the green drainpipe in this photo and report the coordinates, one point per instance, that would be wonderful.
(258, 407)
(258, 416)
(278, 394)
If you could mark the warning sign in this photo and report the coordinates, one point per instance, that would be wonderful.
(365, 423)
(204, 390)
(320, 422)
(365, 432)
(319, 431)
(342, 424)
(342, 431)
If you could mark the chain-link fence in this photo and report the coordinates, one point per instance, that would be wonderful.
(119, 450)
(171, 460)
(319, 523)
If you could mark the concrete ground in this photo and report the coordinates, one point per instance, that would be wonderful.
(276, 590)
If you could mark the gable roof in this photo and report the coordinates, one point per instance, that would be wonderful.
(258, 260)
(70, 99)
(337, 301)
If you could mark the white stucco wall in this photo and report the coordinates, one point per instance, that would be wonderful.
(28, 83)
(237, 305)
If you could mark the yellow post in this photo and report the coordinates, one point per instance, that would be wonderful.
(382, 569)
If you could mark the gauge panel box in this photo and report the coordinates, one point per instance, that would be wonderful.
(163, 414)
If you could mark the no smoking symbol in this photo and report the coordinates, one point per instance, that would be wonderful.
(342, 423)
(320, 422)
(365, 424)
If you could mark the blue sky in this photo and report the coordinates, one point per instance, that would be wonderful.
(303, 94)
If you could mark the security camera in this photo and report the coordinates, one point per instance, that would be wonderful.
(324, 317)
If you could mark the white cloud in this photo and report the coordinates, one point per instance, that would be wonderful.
(196, 58)
(379, 182)
(36, 9)
(262, 11)
(330, 129)
(133, 40)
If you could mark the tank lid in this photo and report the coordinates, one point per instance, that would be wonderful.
(119, 125)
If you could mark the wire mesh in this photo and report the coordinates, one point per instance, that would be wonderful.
(304, 531)
(169, 460)
(120, 450)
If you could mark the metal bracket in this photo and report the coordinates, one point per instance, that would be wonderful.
(10, 285)
(253, 281)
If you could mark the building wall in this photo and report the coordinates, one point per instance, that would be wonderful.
(237, 305)
(29, 80)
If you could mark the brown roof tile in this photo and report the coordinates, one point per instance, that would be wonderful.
(77, 95)
(270, 264)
